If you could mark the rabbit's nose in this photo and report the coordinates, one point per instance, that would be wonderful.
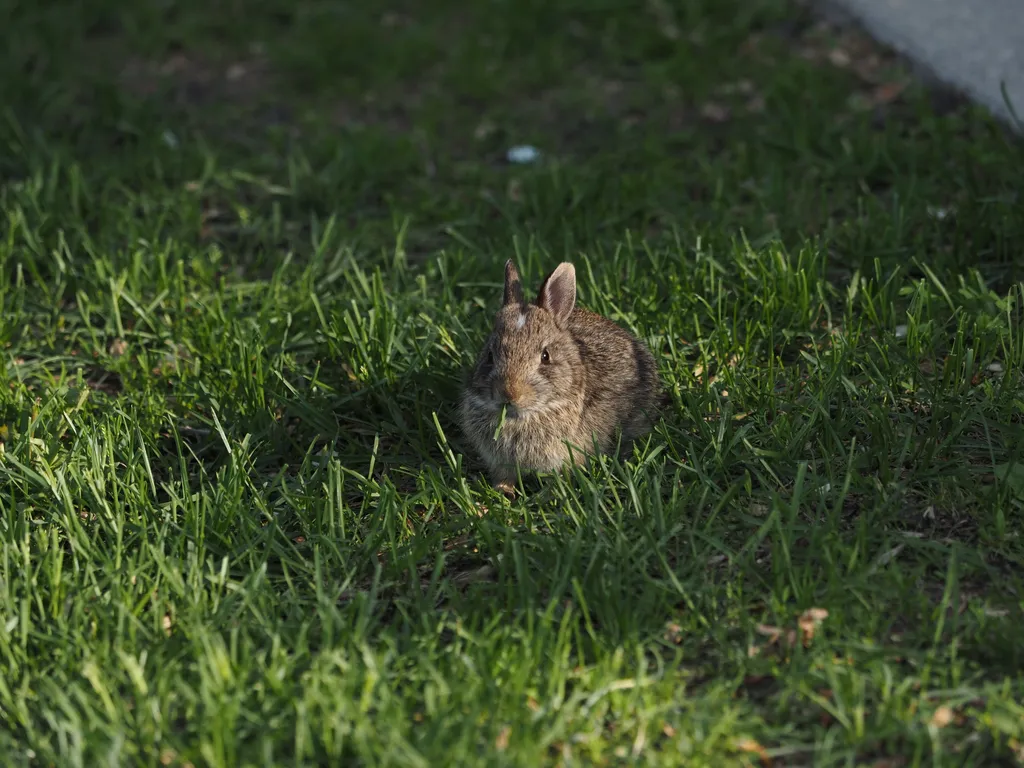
(509, 392)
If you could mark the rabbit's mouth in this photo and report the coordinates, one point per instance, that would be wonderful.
(511, 411)
(495, 405)
(514, 411)
(535, 408)
(522, 403)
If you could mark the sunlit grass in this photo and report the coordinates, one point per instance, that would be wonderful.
(238, 523)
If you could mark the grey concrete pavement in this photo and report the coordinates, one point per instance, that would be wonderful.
(976, 46)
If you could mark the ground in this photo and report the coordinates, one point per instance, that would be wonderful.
(249, 255)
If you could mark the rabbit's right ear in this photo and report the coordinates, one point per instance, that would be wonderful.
(558, 292)
(513, 286)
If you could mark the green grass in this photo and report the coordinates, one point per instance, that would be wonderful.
(238, 525)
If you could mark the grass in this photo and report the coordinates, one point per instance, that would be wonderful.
(249, 253)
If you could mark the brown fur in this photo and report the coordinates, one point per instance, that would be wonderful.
(599, 381)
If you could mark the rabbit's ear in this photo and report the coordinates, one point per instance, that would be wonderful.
(513, 287)
(558, 292)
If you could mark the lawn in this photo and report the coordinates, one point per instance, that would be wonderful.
(249, 252)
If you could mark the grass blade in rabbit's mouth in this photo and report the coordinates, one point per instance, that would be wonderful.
(501, 422)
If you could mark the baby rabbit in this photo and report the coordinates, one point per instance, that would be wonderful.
(562, 375)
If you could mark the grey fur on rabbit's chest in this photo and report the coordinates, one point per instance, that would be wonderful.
(533, 441)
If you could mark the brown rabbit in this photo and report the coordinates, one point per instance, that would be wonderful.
(562, 375)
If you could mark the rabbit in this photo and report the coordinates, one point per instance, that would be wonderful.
(564, 376)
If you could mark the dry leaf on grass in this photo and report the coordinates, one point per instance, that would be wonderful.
(880, 96)
(774, 635)
(673, 633)
(887, 93)
(750, 745)
(501, 743)
(809, 622)
(942, 717)
(118, 347)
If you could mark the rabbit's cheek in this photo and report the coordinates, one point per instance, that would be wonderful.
(481, 403)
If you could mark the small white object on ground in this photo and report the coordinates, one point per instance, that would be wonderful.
(170, 139)
(901, 331)
(940, 213)
(523, 154)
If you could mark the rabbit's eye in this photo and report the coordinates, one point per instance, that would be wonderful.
(545, 357)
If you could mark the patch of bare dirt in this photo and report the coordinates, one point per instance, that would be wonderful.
(108, 382)
(839, 41)
(192, 79)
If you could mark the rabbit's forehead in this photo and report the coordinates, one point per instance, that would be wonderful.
(519, 317)
(522, 323)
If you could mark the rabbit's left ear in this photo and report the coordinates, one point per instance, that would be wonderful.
(558, 292)
(513, 286)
